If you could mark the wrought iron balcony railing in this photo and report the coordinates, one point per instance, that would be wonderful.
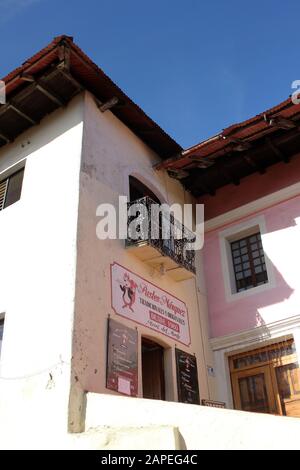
(149, 226)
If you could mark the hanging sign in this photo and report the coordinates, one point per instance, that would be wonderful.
(187, 378)
(142, 302)
(122, 359)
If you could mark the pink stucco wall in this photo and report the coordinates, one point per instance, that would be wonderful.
(282, 246)
(230, 197)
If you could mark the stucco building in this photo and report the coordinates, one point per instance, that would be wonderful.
(248, 179)
(71, 140)
(117, 332)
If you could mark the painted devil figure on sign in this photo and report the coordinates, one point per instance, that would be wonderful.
(128, 287)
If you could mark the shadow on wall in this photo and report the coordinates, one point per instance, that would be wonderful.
(181, 441)
(54, 125)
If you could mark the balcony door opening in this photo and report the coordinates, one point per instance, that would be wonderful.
(153, 370)
(137, 190)
(156, 237)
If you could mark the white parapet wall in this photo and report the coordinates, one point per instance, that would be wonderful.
(121, 423)
(198, 427)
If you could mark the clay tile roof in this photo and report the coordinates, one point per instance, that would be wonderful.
(88, 76)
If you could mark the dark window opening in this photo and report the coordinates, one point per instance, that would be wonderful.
(1, 332)
(249, 262)
(138, 190)
(153, 370)
(10, 189)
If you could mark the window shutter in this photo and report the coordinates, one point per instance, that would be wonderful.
(3, 189)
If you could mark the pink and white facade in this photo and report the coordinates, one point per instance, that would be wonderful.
(65, 293)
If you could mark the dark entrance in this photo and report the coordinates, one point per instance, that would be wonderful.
(153, 370)
(138, 190)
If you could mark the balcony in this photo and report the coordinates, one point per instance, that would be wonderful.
(163, 251)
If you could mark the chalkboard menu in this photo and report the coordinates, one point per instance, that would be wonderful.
(187, 378)
(122, 359)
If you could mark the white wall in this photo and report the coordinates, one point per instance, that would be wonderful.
(48, 247)
(199, 427)
(37, 276)
(111, 152)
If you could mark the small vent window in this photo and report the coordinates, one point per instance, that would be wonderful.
(1, 332)
(3, 191)
(10, 189)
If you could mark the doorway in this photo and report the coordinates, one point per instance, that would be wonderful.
(267, 380)
(138, 190)
(153, 370)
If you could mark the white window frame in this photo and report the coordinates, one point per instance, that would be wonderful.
(237, 232)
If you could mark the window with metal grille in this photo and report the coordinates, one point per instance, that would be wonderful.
(249, 262)
(10, 189)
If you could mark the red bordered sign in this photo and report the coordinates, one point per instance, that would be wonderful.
(142, 302)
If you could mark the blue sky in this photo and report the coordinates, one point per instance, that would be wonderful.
(195, 66)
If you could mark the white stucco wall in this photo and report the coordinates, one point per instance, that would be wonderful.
(199, 427)
(111, 152)
(37, 276)
(53, 265)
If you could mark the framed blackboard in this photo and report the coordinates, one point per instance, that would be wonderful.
(187, 378)
(122, 359)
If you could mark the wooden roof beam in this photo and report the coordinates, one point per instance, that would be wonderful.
(62, 69)
(229, 171)
(250, 161)
(198, 180)
(69, 77)
(64, 55)
(280, 122)
(281, 155)
(43, 88)
(178, 174)
(230, 176)
(27, 77)
(50, 94)
(239, 145)
(22, 114)
(202, 162)
(208, 189)
(255, 165)
(109, 104)
(5, 138)
(15, 108)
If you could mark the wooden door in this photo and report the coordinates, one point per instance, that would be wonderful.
(253, 390)
(264, 374)
(153, 370)
(287, 379)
